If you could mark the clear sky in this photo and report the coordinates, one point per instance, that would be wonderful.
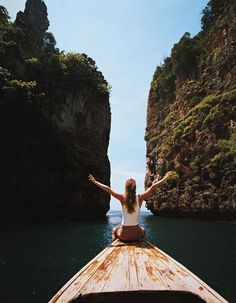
(127, 39)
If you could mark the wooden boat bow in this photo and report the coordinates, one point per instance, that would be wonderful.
(135, 272)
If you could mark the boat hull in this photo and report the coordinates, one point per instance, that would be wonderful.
(134, 272)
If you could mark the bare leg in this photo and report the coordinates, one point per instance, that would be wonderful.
(144, 237)
(114, 231)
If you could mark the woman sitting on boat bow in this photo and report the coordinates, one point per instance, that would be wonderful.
(130, 230)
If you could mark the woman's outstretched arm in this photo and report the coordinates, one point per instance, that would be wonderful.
(153, 187)
(105, 188)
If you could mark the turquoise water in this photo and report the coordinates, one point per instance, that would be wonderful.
(36, 260)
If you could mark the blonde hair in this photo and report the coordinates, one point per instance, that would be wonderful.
(130, 195)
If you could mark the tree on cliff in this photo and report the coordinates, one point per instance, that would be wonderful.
(212, 11)
(185, 56)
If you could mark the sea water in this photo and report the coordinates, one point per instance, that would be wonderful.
(36, 260)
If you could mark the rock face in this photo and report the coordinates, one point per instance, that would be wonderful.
(55, 124)
(191, 121)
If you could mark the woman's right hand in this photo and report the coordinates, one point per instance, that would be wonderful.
(92, 179)
(167, 175)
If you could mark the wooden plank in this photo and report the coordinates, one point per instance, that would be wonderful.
(146, 279)
(82, 276)
(133, 279)
(118, 279)
(97, 281)
(167, 277)
(192, 282)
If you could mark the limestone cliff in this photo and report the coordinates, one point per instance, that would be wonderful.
(55, 124)
(191, 121)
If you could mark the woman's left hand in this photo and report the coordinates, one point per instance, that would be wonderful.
(92, 179)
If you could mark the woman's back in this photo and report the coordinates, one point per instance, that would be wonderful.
(129, 230)
(130, 219)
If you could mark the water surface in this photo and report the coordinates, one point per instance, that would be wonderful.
(37, 259)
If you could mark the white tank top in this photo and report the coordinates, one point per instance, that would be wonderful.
(131, 219)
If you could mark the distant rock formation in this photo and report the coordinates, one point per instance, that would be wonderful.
(54, 123)
(34, 23)
(191, 121)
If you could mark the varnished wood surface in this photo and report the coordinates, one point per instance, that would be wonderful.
(134, 267)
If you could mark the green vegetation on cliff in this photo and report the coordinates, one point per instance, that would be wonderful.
(190, 56)
(28, 54)
(192, 117)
